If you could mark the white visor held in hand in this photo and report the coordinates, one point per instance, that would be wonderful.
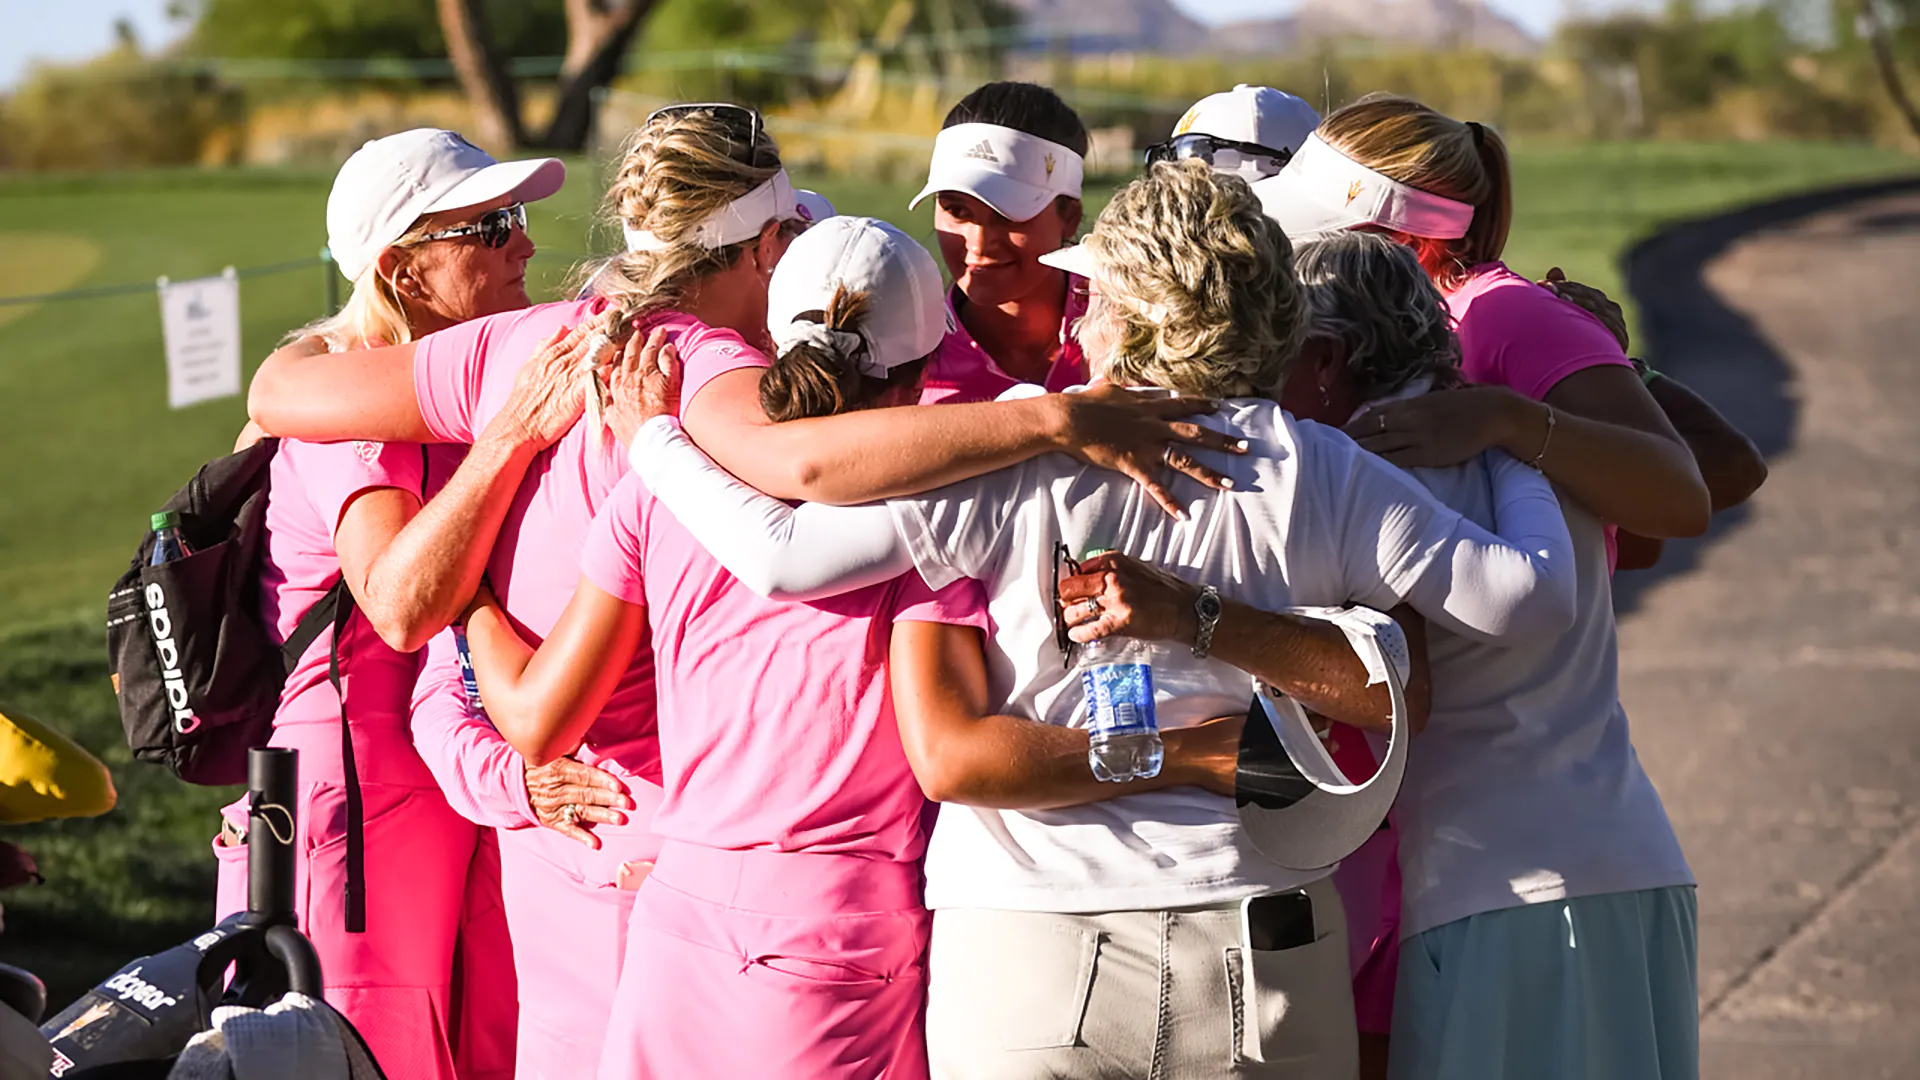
(1079, 259)
(1295, 804)
(1324, 191)
(1015, 173)
(741, 219)
(906, 303)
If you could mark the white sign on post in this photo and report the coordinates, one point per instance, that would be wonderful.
(200, 320)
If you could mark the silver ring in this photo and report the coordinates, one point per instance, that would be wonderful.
(570, 814)
(1167, 454)
(597, 341)
(1093, 607)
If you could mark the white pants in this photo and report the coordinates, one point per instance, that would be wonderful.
(1159, 995)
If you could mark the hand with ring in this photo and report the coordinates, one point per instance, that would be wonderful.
(570, 797)
(1118, 595)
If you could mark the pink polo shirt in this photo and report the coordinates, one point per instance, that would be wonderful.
(1516, 334)
(462, 377)
(961, 371)
(312, 483)
(776, 726)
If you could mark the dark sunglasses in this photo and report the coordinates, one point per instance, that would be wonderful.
(1206, 147)
(738, 118)
(1062, 559)
(494, 228)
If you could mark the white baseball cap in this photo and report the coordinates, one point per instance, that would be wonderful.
(1259, 115)
(1080, 259)
(390, 183)
(1015, 173)
(1324, 191)
(907, 310)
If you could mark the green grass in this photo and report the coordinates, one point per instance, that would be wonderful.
(92, 447)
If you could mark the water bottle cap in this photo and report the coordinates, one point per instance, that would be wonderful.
(1096, 553)
(166, 519)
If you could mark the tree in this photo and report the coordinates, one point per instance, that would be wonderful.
(598, 35)
(1873, 28)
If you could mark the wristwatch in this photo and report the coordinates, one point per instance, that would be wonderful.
(1207, 607)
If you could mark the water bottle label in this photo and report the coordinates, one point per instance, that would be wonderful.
(1119, 698)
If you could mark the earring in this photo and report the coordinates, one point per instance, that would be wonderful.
(1326, 397)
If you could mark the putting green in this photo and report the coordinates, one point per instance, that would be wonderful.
(33, 263)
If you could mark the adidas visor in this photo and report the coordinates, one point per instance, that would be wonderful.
(1015, 173)
(1323, 191)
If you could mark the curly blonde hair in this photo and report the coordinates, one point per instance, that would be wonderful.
(675, 171)
(1197, 292)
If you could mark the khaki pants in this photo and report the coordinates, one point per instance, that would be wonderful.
(1160, 995)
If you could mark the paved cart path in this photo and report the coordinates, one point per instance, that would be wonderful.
(1772, 670)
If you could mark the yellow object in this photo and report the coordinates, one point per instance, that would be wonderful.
(44, 774)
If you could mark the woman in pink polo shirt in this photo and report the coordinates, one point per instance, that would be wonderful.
(398, 893)
(1005, 180)
(707, 211)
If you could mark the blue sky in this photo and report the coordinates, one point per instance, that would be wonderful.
(71, 29)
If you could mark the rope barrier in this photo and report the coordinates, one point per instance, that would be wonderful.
(99, 292)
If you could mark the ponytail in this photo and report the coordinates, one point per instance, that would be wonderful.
(820, 375)
(1486, 238)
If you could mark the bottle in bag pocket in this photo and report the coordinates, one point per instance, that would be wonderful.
(1117, 676)
(168, 545)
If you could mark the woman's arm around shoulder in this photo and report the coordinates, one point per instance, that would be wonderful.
(963, 752)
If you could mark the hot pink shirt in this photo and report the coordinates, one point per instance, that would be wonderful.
(312, 483)
(1516, 334)
(776, 726)
(961, 371)
(462, 377)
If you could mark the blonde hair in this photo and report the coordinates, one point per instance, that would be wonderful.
(373, 315)
(1418, 146)
(818, 380)
(1197, 292)
(675, 171)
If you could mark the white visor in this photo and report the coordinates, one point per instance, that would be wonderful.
(1015, 173)
(1324, 191)
(741, 219)
(1079, 259)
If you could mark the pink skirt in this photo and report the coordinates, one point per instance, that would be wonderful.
(763, 963)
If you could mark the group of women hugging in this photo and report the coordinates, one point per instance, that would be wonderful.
(770, 551)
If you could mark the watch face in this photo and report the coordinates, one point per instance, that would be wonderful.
(1208, 605)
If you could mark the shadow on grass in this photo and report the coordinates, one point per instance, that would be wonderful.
(1689, 333)
(130, 882)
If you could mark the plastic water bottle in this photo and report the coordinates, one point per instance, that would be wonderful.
(168, 546)
(1117, 675)
(469, 684)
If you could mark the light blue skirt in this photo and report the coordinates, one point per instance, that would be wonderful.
(1597, 988)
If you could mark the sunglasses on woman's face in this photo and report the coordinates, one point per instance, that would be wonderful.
(743, 125)
(1062, 559)
(494, 228)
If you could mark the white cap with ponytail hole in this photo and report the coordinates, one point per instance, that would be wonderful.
(906, 309)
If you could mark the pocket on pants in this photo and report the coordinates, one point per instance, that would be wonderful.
(1293, 1006)
(1010, 980)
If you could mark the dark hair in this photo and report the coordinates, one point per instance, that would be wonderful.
(814, 380)
(1027, 107)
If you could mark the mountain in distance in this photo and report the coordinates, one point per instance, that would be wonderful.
(1088, 26)
(1426, 23)
(1157, 26)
